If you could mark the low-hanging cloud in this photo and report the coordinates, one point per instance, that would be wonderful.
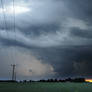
(27, 65)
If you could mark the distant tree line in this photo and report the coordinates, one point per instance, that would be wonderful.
(49, 80)
(64, 80)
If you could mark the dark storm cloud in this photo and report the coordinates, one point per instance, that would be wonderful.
(41, 29)
(56, 32)
(68, 61)
(81, 9)
(81, 33)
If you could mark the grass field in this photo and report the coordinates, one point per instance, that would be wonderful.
(45, 87)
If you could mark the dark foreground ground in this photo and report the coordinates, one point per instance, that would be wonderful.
(45, 87)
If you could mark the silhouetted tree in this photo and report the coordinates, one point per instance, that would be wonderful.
(78, 80)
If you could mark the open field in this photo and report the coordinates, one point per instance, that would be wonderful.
(45, 87)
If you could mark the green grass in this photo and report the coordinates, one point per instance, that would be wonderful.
(45, 87)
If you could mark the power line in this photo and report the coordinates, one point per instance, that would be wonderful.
(14, 25)
(5, 21)
(14, 12)
(5, 24)
(2, 5)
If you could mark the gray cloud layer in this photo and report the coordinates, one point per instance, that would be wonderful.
(56, 32)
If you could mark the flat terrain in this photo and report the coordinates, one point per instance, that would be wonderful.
(45, 87)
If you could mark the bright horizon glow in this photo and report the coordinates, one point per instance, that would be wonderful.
(18, 10)
(88, 80)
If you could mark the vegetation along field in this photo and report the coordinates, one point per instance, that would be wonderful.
(45, 87)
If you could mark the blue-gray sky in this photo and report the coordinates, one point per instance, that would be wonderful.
(52, 38)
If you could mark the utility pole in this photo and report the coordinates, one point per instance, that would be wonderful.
(15, 76)
(13, 72)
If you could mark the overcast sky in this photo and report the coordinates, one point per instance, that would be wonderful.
(52, 38)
